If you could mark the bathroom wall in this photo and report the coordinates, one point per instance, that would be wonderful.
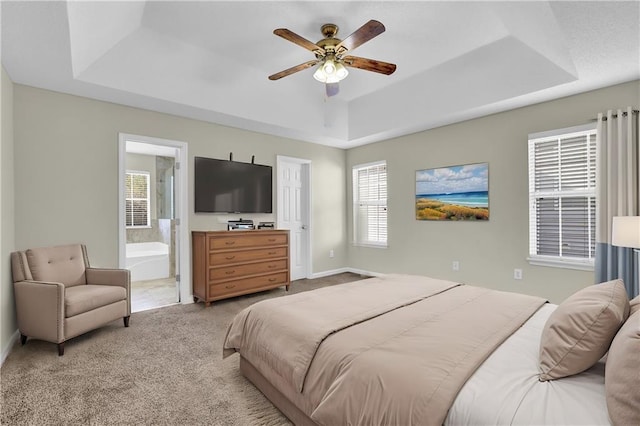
(167, 228)
(164, 187)
(165, 206)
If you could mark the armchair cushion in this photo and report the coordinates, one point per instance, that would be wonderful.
(84, 298)
(63, 264)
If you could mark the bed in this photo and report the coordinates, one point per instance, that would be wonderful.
(403, 349)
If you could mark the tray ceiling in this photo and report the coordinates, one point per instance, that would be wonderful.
(209, 60)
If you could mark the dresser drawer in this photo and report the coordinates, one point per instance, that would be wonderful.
(240, 286)
(246, 240)
(227, 272)
(231, 257)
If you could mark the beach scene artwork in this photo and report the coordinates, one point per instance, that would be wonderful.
(453, 193)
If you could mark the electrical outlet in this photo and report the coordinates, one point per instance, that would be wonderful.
(331, 253)
(456, 265)
(517, 274)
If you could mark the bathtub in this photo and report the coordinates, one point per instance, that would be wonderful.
(147, 261)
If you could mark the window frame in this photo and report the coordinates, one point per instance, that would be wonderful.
(590, 193)
(148, 199)
(366, 242)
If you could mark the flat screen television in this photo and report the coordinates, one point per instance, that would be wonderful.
(223, 186)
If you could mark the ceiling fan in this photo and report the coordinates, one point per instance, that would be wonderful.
(331, 54)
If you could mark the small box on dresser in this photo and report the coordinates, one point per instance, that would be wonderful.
(232, 263)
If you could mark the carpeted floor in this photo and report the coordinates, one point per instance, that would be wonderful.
(166, 368)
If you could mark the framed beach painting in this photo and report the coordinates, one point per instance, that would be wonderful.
(453, 193)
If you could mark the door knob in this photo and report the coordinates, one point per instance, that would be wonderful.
(304, 227)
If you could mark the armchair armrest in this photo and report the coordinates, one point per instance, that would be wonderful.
(104, 276)
(109, 276)
(40, 309)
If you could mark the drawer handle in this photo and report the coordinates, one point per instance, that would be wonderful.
(272, 279)
(272, 252)
(230, 243)
(271, 240)
(230, 272)
(272, 266)
(230, 285)
(230, 257)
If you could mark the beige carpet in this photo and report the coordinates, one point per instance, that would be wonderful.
(166, 368)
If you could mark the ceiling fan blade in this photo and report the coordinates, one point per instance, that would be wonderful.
(292, 70)
(369, 64)
(332, 89)
(362, 35)
(300, 41)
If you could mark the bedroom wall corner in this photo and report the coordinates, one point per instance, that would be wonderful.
(8, 326)
(487, 252)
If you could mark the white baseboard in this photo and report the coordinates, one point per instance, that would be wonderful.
(363, 272)
(343, 270)
(7, 349)
(327, 273)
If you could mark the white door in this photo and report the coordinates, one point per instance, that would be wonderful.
(293, 211)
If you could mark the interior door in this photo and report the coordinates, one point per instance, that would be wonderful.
(293, 212)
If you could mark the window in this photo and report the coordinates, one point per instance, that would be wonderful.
(370, 204)
(137, 199)
(562, 198)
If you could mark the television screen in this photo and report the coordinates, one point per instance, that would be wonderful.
(223, 186)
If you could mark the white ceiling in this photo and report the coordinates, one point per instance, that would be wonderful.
(210, 60)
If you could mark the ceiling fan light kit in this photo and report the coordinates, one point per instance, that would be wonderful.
(330, 54)
(330, 71)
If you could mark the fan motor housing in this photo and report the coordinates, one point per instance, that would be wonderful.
(329, 30)
(329, 43)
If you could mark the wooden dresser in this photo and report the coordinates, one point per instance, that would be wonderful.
(231, 263)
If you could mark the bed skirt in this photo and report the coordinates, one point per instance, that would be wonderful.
(281, 402)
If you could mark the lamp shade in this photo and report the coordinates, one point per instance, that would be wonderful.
(626, 231)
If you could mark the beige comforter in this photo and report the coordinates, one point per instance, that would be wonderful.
(391, 350)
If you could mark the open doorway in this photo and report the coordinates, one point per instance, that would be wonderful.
(152, 206)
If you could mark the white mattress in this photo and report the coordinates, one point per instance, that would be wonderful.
(505, 389)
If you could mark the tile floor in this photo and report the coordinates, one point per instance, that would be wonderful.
(153, 294)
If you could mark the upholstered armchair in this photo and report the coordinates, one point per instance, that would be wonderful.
(59, 296)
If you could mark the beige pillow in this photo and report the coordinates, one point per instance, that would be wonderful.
(622, 374)
(634, 305)
(578, 333)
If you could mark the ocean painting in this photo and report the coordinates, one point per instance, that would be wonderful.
(453, 193)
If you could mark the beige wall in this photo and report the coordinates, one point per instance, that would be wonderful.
(60, 179)
(488, 252)
(7, 236)
(66, 170)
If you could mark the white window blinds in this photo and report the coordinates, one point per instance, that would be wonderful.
(137, 201)
(562, 198)
(370, 204)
